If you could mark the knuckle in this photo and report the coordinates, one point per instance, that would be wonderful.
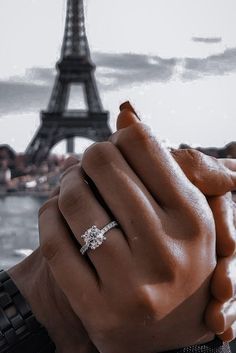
(141, 131)
(193, 155)
(189, 154)
(196, 160)
(135, 133)
(49, 204)
(215, 317)
(202, 225)
(70, 198)
(48, 242)
(98, 155)
(68, 171)
(203, 168)
(146, 300)
(190, 160)
(196, 219)
(49, 248)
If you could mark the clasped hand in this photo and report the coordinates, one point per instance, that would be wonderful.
(147, 287)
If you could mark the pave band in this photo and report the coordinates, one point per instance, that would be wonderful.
(94, 237)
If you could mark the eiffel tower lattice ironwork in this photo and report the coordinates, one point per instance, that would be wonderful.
(74, 67)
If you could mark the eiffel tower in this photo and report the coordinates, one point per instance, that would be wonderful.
(74, 67)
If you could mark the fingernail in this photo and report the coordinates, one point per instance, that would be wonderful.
(127, 105)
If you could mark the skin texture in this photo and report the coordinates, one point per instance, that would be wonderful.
(222, 181)
(50, 306)
(213, 178)
(168, 214)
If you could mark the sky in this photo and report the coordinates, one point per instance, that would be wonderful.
(175, 60)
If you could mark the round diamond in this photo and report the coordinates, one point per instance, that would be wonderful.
(93, 237)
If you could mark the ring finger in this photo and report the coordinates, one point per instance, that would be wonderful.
(81, 210)
(139, 215)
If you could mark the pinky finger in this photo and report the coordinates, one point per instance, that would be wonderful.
(230, 334)
(223, 286)
(220, 317)
(223, 211)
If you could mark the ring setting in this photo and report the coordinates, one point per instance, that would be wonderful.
(94, 237)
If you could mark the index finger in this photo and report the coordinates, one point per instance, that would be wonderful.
(223, 210)
(213, 177)
(154, 165)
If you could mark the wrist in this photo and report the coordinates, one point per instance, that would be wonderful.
(32, 280)
(19, 329)
(49, 305)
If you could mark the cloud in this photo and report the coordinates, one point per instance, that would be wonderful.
(116, 70)
(125, 69)
(40, 74)
(207, 40)
(31, 92)
(218, 64)
(17, 97)
(28, 93)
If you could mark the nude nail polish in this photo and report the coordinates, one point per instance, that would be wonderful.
(127, 105)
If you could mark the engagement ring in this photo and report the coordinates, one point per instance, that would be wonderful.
(94, 237)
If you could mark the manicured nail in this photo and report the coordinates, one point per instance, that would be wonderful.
(128, 106)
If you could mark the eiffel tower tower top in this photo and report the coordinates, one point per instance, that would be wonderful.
(74, 68)
(75, 43)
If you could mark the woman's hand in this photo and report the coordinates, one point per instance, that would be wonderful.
(146, 288)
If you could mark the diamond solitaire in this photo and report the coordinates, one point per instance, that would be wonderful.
(94, 237)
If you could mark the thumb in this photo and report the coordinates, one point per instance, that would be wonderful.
(229, 163)
(211, 176)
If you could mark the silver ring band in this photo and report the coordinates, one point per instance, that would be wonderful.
(94, 237)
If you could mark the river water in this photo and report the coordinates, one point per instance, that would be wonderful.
(18, 228)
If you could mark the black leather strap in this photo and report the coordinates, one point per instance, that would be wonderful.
(19, 329)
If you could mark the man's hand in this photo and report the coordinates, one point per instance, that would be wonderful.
(207, 174)
(213, 177)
